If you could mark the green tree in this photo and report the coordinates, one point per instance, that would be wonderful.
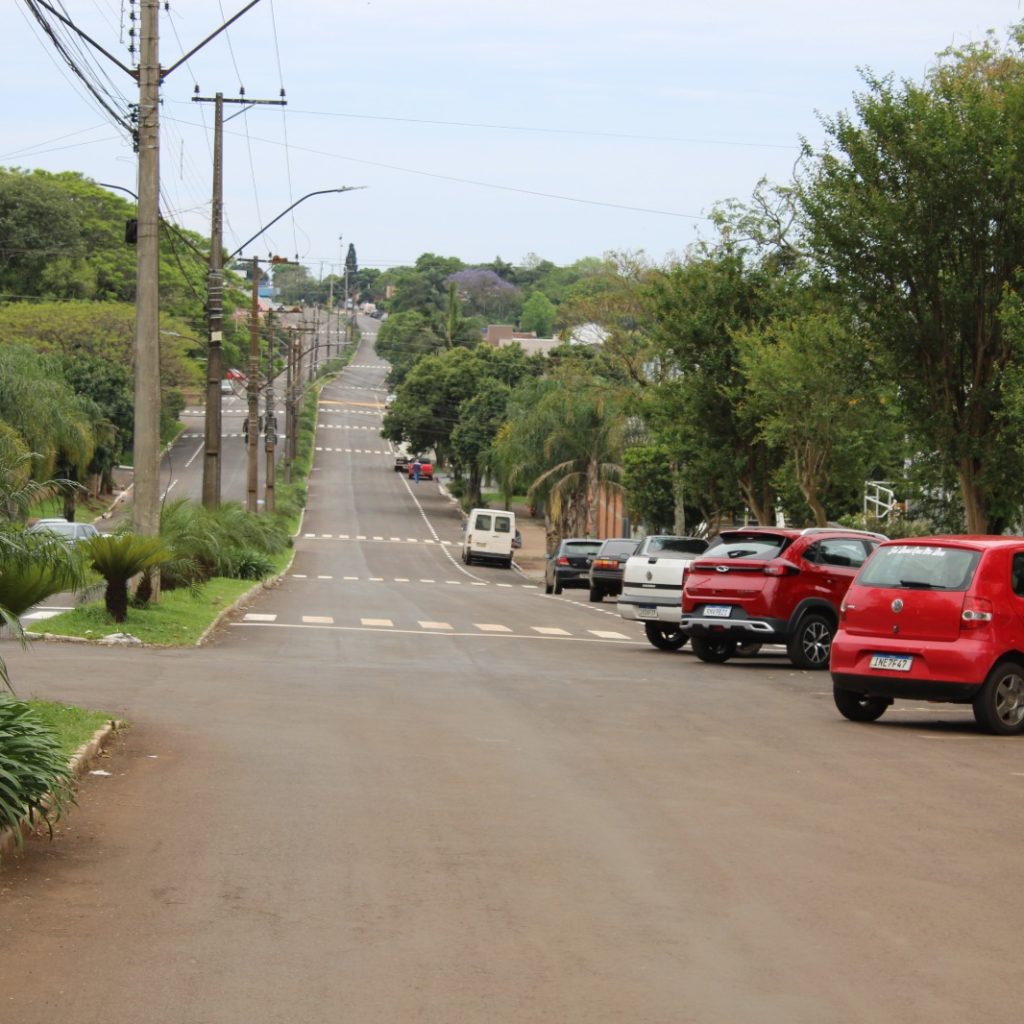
(914, 207)
(479, 419)
(538, 315)
(811, 383)
(647, 481)
(402, 340)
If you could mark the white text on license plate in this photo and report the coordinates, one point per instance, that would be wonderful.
(892, 662)
(718, 611)
(646, 611)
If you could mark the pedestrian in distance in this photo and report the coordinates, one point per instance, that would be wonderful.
(416, 470)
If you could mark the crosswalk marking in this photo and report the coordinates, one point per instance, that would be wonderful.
(608, 634)
(550, 630)
(492, 627)
(318, 620)
(377, 622)
(259, 617)
(436, 625)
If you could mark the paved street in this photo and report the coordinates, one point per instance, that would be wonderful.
(395, 789)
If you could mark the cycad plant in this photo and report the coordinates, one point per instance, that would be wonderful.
(34, 775)
(117, 559)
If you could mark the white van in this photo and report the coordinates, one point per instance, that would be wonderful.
(487, 536)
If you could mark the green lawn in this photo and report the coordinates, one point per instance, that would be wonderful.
(178, 620)
(72, 726)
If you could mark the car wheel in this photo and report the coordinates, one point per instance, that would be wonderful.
(596, 594)
(858, 707)
(508, 562)
(811, 644)
(558, 585)
(748, 650)
(665, 638)
(999, 704)
(713, 651)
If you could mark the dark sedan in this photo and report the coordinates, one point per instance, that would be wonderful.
(607, 567)
(569, 566)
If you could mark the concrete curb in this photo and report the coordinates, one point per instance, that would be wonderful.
(78, 764)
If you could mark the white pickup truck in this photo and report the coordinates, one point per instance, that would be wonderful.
(652, 587)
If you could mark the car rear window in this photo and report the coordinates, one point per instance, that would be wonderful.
(622, 547)
(581, 548)
(920, 567)
(676, 545)
(502, 524)
(748, 545)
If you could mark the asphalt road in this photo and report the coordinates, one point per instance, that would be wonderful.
(395, 790)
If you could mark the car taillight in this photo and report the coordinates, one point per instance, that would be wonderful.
(977, 613)
(562, 560)
(780, 569)
(605, 563)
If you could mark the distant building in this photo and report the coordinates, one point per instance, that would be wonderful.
(503, 335)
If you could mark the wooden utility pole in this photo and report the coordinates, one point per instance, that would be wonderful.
(146, 452)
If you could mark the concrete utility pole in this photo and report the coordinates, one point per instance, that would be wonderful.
(146, 508)
(215, 300)
(270, 424)
(253, 392)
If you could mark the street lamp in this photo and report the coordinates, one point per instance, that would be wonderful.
(215, 360)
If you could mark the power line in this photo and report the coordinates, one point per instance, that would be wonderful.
(473, 181)
(548, 131)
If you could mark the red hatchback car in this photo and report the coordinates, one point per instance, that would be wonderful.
(936, 619)
(757, 585)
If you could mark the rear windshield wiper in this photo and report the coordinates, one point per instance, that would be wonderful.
(920, 585)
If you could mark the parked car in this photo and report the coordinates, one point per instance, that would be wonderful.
(652, 586)
(426, 467)
(935, 619)
(569, 564)
(226, 387)
(772, 586)
(607, 565)
(488, 535)
(65, 530)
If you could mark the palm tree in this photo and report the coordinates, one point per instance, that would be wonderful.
(567, 447)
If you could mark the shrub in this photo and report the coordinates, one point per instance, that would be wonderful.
(32, 766)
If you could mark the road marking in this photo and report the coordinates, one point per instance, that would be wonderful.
(550, 631)
(318, 620)
(377, 622)
(479, 634)
(259, 617)
(606, 634)
(376, 579)
(401, 579)
(299, 576)
(492, 627)
(325, 577)
(428, 581)
(454, 583)
(436, 625)
(354, 579)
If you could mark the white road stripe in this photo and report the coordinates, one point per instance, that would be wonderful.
(377, 622)
(492, 627)
(550, 631)
(436, 625)
(318, 620)
(259, 617)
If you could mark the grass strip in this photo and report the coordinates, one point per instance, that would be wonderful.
(73, 726)
(179, 619)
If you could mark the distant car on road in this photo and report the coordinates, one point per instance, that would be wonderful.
(226, 388)
(65, 530)
(425, 465)
(569, 565)
(607, 567)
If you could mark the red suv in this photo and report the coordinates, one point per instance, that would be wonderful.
(936, 619)
(772, 586)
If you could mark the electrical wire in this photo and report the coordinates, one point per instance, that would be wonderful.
(284, 126)
(547, 131)
(485, 184)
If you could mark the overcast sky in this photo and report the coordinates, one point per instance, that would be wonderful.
(565, 128)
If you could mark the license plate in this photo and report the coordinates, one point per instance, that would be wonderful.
(892, 662)
(646, 611)
(718, 611)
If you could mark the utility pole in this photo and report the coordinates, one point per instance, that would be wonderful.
(146, 507)
(270, 424)
(215, 300)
